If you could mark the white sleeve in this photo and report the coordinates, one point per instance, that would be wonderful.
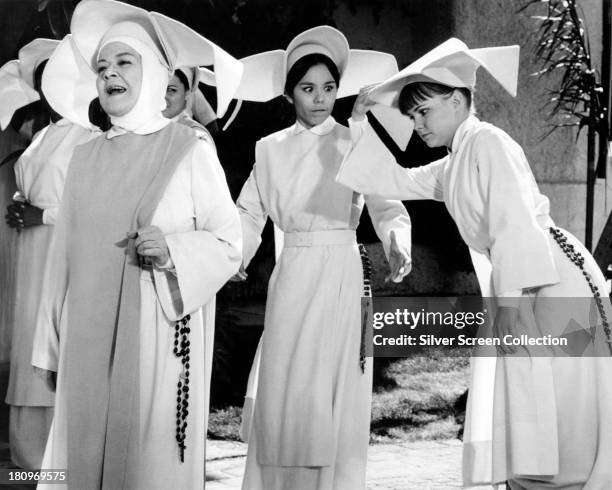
(370, 169)
(519, 248)
(389, 215)
(204, 258)
(253, 216)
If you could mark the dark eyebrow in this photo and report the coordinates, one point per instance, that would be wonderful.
(104, 60)
(330, 82)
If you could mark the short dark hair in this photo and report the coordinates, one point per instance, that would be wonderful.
(305, 63)
(414, 94)
(183, 79)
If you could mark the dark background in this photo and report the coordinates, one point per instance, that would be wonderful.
(245, 27)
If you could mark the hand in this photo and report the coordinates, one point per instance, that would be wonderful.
(22, 214)
(505, 324)
(362, 103)
(240, 276)
(150, 244)
(399, 260)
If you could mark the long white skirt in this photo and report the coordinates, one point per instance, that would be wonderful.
(159, 464)
(310, 355)
(543, 422)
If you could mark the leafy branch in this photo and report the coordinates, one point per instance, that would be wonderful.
(563, 46)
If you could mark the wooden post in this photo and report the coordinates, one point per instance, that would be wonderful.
(588, 239)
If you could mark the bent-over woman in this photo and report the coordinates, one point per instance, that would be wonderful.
(537, 417)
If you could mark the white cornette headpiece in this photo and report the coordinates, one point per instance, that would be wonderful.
(17, 78)
(265, 73)
(452, 63)
(74, 66)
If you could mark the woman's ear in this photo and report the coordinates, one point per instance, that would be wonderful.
(288, 98)
(457, 99)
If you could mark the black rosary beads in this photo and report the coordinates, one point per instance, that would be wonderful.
(181, 350)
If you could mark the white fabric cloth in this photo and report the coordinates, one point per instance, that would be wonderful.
(200, 131)
(10, 141)
(538, 421)
(453, 64)
(200, 222)
(40, 175)
(41, 170)
(28, 432)
(310, 375)
(486, 165)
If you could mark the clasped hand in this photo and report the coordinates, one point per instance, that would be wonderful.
(21, 215)
(150, 244)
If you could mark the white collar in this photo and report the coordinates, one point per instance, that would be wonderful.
(462, 130)
(149, 128)
(322, 129)
(62, 122)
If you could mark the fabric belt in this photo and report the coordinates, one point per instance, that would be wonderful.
(319, 238)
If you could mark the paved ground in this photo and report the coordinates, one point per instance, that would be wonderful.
(423, 465)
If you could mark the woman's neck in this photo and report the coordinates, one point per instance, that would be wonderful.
(460, 120)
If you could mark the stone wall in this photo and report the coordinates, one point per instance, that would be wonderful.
(558, 161)
(409, 29)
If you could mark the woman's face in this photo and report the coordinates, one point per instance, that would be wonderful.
(314, 96)
(119, 78)
(175, 98)
(436, 119)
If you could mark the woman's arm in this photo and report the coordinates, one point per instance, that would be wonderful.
(46, 347)
(519, 246)
(253, 216)
(205, 258)
(370, 168)
(392, 225)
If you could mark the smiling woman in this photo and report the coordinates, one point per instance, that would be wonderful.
(119, 78)
(176, 95)
(146, 236)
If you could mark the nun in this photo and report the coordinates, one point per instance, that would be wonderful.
(310, 427)
(40, 174)
(536, 417)
(146, 235)
(181, 97)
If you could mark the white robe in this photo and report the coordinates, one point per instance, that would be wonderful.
(523, 423)
(40, 174)
(311, 386)
(10, 141)
(202, 230)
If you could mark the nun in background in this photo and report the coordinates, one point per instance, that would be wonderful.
(181, 97)
(310, 427)
(146, 235)
(536, 418)
(40, 174)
